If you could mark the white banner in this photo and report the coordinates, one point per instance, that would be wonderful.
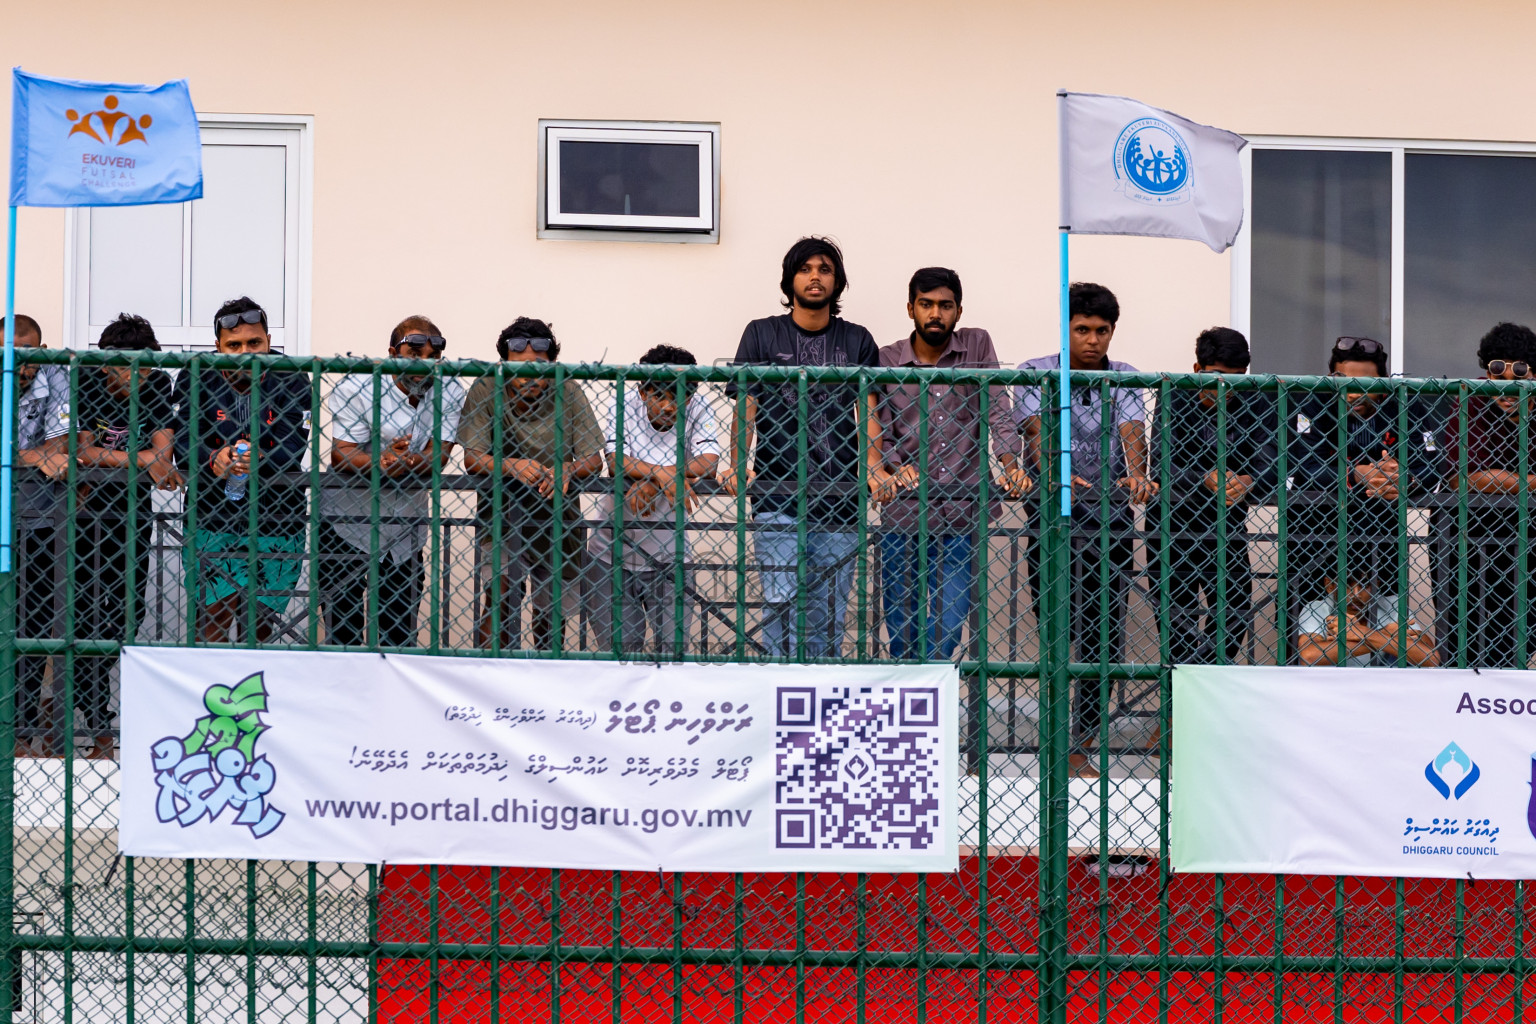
(1354, 771)
(1131, 169)
(435, 760)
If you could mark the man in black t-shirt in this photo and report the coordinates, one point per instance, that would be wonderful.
(247, 435)
(810, 334)
(110, 440)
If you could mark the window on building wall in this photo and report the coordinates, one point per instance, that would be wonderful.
(176, 264)
(629, 180)
(1424, 246)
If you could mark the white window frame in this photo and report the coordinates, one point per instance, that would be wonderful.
(294, 336)
(552, 223)
(1398, 149)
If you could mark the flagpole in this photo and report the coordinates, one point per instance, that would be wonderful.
(1065, 382)
(8, 394)
(1064, 366)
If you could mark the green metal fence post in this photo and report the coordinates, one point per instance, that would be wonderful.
(10, 963)
(1055, 719)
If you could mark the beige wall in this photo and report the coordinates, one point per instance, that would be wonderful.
(914, 133)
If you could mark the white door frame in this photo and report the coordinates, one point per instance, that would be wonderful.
(295, 335)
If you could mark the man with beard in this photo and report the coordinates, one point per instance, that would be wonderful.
(245, 434)
(540, 428)
(954, 459)
(1373, 480)
(414, 430)
(810, 334)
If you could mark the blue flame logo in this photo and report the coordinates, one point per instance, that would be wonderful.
(1435, 772)
(1152, 159)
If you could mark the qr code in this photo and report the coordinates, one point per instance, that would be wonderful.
(858, 768)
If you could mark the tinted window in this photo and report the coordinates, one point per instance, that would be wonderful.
(1469, 239)
(642, 179)
(1322, 250)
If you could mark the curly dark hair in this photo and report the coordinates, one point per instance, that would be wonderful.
(128, 332)
(1507, 341)
(528, 327)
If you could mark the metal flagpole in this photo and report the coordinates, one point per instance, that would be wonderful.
(1066, 314)
(8, 395)
(1065, 390)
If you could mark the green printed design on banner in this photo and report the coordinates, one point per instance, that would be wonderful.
(232, 719)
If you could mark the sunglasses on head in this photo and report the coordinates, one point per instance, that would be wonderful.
(1365, 346)
(230, 321)
(1521, 368)
(420, 341)
(539, 345)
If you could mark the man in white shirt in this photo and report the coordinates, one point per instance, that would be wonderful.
(655, 483)
(414, 422)
(1371, 632)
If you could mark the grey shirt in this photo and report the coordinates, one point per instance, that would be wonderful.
(43, 413)
(954, 455)
(1126, 405)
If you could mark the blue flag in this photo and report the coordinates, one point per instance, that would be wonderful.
(97, 144)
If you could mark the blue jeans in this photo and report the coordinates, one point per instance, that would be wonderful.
(829, 560)
(949, 592)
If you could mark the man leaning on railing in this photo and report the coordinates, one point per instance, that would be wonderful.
(1378, 475)
(528, 410)
(104, 416)
(1497, 568)
(655, 482)
(1220, 453)
(244, 447)
(417, 425)
(1118, 427)
(812, 279)
(43, 419)
(954, 459)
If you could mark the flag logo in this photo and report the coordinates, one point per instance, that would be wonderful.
(1152, 163)
(103, 125)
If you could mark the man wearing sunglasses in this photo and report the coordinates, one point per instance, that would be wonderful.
(655, 482)
(1489, 634)
(520, 545)
(249, 429)
(1386, 465)
(416, 423)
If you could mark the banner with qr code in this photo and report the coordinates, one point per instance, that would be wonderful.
(413, 759)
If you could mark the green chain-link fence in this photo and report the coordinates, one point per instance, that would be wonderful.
(885, 513)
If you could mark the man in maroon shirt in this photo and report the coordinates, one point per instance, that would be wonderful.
(953, 458)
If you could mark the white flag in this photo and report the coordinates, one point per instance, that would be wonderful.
(1131, 169)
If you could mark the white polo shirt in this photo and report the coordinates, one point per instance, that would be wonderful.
(645, 546)
(403, 504)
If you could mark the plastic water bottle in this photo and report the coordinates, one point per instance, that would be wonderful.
(234, 484)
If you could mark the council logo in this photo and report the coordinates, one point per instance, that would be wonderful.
(1452, 772)
(215, 767)
(1152, 163)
